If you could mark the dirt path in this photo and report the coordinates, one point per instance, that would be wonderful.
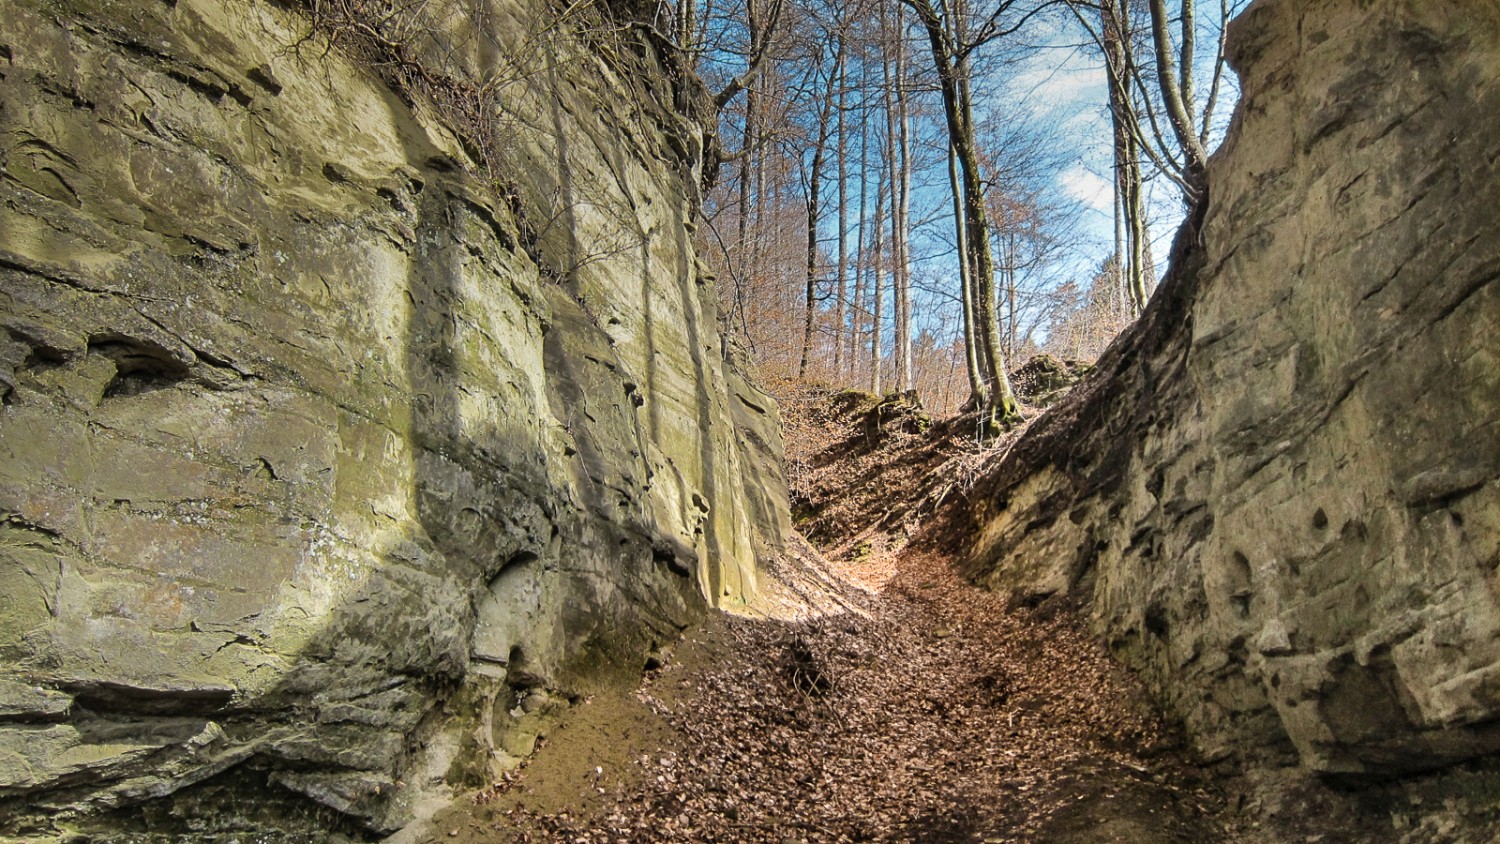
(936, 715)
(917, 709)
(907, 705)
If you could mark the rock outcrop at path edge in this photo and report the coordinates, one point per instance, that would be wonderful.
(1279, 494)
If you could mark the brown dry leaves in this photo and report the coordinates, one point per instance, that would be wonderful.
(942, 717)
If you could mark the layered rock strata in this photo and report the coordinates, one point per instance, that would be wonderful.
(1279, 495)
(341, 441)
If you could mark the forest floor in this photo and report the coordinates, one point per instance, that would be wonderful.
(901, 704)
(882, 699)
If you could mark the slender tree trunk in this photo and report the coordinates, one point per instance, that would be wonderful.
(1115, 15)
(1195, 165)
(748, 144)
(978, 367)
(1148, 263)
(1139, 234)
(862, 259)
(1118, 290)
(1119, 100)
(755, 107)
(840, 280)
(1206, 125)
(1189, 19)
(1011, 317)
(702, 20)
(891, 174)
(814, 187)
(1001, 408)
(898, 164)
(743, 294)
(977, 391)
(687, 25)
(811, 300)
(903, 203)
(877, 299)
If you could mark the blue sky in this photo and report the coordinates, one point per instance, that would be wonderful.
(1048, 94)
(1059, 89)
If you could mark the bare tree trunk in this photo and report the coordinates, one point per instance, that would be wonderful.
(1172, 134)
(1139, 234)
(977, 366)
(1116, 23)
(861, 262)
(840, 280)
(756, 99)
(1001, 408)
(877, 300)
(744, 295)
(898, 163)
(903, 196)
(814, 187)
(1118, 288)
(1189, 41)
(1009, 272)
(760, 28)
(1195, 165)
(810, 303)
(749, 144)
(1213, 89)
(977, 394)
(687, 25)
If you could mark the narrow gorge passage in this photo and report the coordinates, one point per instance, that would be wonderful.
(376, 410)
(914, 707)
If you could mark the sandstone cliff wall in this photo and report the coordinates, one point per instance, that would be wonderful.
(330, 458)
(1279, 495)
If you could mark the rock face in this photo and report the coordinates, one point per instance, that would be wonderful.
(1280, 493)
(337, 446)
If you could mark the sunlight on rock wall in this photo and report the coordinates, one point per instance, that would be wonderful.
(1279, 492)
(305, 431)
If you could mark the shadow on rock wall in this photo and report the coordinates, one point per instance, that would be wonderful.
(1278, 490)
(325, 479)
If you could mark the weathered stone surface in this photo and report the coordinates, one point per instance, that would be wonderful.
(318, 458)
(1044, 379)
(1280, 492)
(21, 702)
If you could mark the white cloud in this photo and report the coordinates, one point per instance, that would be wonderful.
(1066, 89)
(1089, 188)
(1055, 87)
